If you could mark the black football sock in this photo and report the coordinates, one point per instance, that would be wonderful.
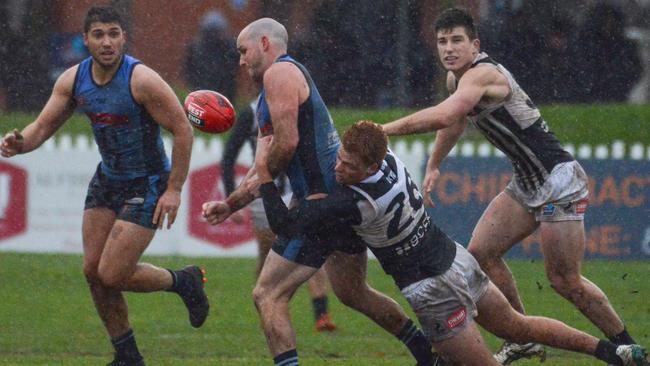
(181, 282)
(174, 280)
(125, 347)
(417, 343)
(320, 306)
(622, 338)
(606, 351)
(289, 358)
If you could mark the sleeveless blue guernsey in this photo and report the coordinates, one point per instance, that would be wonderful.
(311, 169)
(128, 138)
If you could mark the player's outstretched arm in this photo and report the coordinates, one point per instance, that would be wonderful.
(286, 88)
(445, 141)
(471, 88)
(56, 111)
(157, 97)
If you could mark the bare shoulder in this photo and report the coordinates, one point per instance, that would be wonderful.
(145, 82)
(144, 76)
(484, 75)
(65, 82)
(283, 73)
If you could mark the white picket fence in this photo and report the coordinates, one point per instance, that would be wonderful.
(616, 150)
(411, 153)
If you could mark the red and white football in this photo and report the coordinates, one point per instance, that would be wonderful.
(209, 111)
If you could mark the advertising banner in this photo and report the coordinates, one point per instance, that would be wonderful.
(617, 219)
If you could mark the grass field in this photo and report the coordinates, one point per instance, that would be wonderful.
(576, 124)
(47, 317)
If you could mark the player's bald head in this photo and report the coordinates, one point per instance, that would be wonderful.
(266, 27)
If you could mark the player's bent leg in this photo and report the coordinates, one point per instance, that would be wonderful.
(119, 267)
(111, 307)
(317, 284)
(275, 286)
(563, 244)
(496, 316)
(265, 238)
(503, 224)
(110, 304)
(466, 348)
(347, 274)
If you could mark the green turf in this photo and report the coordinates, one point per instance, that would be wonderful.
(47, 317)
(576, 124)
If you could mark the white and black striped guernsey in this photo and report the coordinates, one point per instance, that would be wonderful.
(397, 208)
(396, 227)
(516, 127)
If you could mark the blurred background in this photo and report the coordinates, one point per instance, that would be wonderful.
(362, 53)
(585, 62)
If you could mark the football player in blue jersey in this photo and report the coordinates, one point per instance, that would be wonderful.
(549, 188)
(304, 147)
(377, 201)
(245, 131)
(135, 187)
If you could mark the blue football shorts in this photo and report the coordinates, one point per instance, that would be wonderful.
(132, 200)
(313, 252)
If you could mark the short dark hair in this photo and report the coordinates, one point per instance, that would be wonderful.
(102, 14)
(366, 140)
(456, 17)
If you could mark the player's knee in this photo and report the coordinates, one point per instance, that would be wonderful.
(110, 279)
(352, 298)
(476, 252)
(350, 301)
(482, 255)
(257, 296)
(261, 296)
(91, 273)
(566, 285)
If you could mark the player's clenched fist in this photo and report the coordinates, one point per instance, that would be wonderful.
(215, 212)
(11, 144)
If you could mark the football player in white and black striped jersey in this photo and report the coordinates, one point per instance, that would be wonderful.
(377, 202)
(549, 188)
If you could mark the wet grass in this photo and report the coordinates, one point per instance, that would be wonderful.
(47, 317)
(576, 124)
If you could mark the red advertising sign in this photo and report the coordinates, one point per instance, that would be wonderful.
(207, 185)
(13, 200)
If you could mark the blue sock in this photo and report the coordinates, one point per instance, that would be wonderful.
(289, 358)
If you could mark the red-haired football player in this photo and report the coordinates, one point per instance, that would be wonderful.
(377, 200)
